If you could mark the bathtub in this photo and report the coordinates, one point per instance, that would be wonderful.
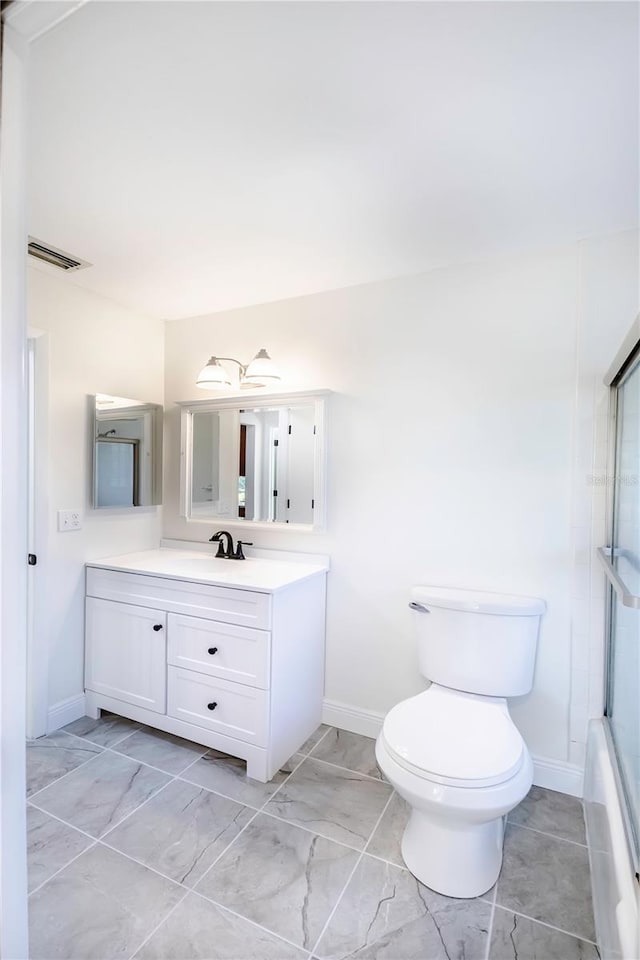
(616, 891)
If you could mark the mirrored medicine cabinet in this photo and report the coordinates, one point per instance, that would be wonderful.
(257, 459)
(127, 452)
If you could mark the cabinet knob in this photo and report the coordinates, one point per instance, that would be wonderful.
(211, 706)
(212, 650)
(157, 626)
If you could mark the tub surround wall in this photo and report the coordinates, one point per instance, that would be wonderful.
(93, 345)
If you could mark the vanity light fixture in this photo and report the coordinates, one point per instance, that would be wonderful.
(260, 372)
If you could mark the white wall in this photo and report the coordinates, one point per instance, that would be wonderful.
(450, 456)
(94, 346)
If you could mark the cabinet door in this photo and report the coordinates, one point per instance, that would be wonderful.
(126, 653)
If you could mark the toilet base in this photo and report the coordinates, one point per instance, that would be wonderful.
(457, 861)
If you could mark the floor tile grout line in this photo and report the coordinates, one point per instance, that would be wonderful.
(105, 746)
(140, 863)
(253, 923)
(227, 796)
(68, 773)
(140, 806)
(525, 916)
(317, 744)
(218, 793)
(167, 773)
(315, 833)
(64, 867)
(230, 844)
(63, 822)
(554, 836)
(257, 811)
(157, 927)
(349, 878)
(358, 773)
(487, 954)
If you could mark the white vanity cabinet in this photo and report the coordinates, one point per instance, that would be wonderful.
(235, 662)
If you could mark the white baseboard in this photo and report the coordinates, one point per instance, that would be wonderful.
(552, 774)
(558, 775)
(354, 719)
(64, 712)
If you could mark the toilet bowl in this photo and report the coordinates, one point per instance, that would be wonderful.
(453, 752)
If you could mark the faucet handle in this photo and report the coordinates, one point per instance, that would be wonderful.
(239, 555)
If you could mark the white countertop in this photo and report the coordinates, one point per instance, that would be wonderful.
(264, 576)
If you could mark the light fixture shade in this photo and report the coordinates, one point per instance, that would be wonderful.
(213, 376)
(261, 370)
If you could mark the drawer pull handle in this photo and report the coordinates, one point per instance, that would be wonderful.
(212, 650)
(157, 626)
(211, 706)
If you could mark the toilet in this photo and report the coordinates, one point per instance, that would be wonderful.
(453, 752)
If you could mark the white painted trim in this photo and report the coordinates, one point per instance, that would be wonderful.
(558, 775)
(235, 402)
(65, 711)
(32, 18)
(552, 774)
(38, 496)
(263, 398)
(355, 719)
(13, 498)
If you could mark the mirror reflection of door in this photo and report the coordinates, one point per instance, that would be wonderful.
(205, 465)
(276, 464)
(256, 463)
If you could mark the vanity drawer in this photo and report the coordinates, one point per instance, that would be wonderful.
(223, 650)
(241, 712)
(244, 607)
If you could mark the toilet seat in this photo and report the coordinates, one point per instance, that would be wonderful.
(454, 738)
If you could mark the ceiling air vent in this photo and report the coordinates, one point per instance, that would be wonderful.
(54, 256)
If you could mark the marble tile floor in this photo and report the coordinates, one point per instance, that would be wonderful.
(144, 846)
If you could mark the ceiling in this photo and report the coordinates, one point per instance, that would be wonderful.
(209, 155)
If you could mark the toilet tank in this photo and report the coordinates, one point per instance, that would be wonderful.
(474, 641)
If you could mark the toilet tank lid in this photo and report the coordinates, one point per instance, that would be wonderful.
(478, 601)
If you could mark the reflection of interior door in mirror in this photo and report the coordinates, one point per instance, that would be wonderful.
(117, 472)
(300, 463)
(258, 463)
(205, 475)
(257, 483)
(242, 472)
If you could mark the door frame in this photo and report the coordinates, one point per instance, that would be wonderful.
(13, 498)
(37, 685)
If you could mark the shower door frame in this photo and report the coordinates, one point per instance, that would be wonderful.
(626, 360)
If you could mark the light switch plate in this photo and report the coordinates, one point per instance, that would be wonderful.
(69, 520)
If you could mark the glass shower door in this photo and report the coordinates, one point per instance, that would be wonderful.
(623, 682)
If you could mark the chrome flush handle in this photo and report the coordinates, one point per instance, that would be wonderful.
(418, 607)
